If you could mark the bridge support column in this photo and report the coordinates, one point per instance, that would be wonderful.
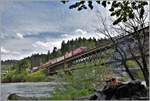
(48, 70)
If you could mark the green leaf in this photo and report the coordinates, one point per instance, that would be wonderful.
(142, 12)
(111, 9)
(64, 1)
(113, 13)
(79, 8)
(113, 3)
(72, 6)
(117, 21)
(77, 4)
(144, 3)
(98, 1)
(133, 4)
(82, 2)
(108, 2)
(131, 15)
(124, 19)
(104, 3)
(90, 5)
(118, 12)
(83, 6)
(117, 4)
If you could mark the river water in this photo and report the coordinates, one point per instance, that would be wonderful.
(36, 89)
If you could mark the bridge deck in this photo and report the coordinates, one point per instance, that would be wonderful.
(86, 54)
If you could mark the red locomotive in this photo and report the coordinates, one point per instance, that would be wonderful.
(75, 52)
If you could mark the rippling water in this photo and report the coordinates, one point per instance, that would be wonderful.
(37, 89)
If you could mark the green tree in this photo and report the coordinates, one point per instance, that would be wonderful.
(123, 10)
(54, 53)
(131, 15)
(63, 47)
(23, 65)
(48, 55)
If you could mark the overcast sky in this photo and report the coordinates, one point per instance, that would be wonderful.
(38, 26)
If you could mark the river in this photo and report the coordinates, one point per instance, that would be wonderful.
(36, 89)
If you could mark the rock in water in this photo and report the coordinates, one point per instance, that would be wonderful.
(16, 97)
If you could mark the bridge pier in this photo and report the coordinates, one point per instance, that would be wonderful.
(94, 54)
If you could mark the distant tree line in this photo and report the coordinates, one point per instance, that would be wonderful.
(38, 59)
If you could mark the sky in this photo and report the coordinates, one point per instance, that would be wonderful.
(29, 27)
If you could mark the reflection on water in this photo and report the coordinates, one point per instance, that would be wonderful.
(37, 89)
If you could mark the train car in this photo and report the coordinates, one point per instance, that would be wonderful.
(60, 58)
(68, 54)
(75, 52)
(46, 64)
(53, 61)
(79, 50)
(33, 69)
(50, 62)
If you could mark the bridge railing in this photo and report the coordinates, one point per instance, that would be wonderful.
(96, 48)
(140, 27)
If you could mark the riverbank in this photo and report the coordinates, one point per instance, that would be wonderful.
(25, 76)
(27, 89)
(133, 90)
(16, 97)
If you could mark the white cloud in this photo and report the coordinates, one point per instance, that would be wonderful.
(80, 31)
(3, 50)
(19, 35)
(83, 34)
(44, 46)
(100, 35)
(41, 17)
(8, 54)
(6, 51)
(40, 44)
(65, 35)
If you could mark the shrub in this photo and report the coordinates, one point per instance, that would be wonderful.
(37, 76)
(80, 82)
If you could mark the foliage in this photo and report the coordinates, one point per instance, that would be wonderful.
(132, 63)
(132, 15)
(24, 76)
(122, 10)
(18, 70)
(19, 73)
(78, 42)
(7, 77)
(70, 93)
(48, 55)
(139, 75)
(23, 64)
(37, 76)
(82, 81)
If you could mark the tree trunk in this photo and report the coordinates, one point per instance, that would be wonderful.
(128, 71)
(145, 69)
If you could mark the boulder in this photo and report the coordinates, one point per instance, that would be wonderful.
(131, 91)
(14, 96)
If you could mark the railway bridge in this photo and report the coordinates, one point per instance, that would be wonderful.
(89, 55)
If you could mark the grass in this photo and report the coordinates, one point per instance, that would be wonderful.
(132, 64)
(25, 76)
(86, 78)
(82, 81)
(70, 93)
(36, 76)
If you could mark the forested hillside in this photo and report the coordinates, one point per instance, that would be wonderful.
(38, 59)
(21, 67)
